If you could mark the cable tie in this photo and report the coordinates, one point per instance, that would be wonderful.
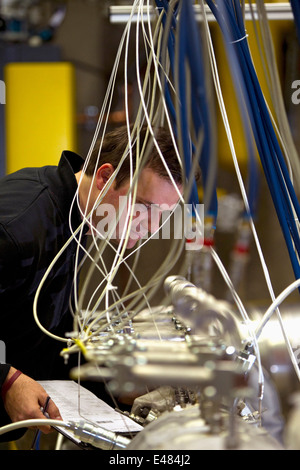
(238, 40)
(111, 287)
(80, 344)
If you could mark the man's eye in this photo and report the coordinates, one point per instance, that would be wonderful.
(142, 204)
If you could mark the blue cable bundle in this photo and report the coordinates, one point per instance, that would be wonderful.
(295, 4)
(228, 14)
(185, 31)
(162, 5)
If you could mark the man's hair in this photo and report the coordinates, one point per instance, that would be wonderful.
(115, 144)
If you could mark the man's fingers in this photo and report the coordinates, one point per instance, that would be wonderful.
(53, 411)
(43, 427)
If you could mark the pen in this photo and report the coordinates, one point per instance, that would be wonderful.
(44, 410)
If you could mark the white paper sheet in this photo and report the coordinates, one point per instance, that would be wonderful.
(76, 403)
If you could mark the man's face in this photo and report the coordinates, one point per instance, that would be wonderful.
(117, 216)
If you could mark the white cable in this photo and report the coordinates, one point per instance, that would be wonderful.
(281, 297)
(73, 236)
(148, 119)
(231, 144)
(84, 215)
(125, 35)
(242, 188)
(289, 148)
(43, 280)
(108, 92)
(242, 311)
(27, 423)
(138, 67)
(124, 260)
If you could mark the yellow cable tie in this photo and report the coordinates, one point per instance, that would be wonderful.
(80, 344)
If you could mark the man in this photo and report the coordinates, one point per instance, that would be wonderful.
(35, 221)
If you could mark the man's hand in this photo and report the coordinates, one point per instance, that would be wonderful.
(26, 398)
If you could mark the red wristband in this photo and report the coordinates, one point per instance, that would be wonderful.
(9, 383)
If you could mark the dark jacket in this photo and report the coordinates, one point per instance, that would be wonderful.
(34, 225)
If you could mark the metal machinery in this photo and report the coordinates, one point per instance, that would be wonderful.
(198, 368)
(195, 362)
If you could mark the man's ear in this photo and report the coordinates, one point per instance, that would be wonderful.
(103, 174)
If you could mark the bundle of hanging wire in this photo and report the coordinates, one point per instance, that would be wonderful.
(175, 91)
